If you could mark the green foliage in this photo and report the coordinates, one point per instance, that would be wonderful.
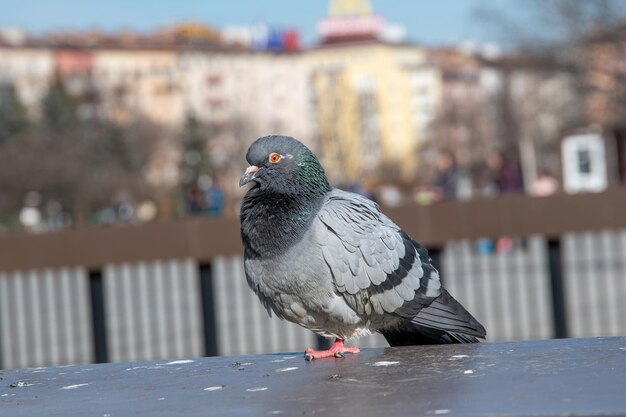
(13, 116)
(195, 159)
(59, 108)
(96, 164)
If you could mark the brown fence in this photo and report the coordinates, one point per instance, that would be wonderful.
(203, 239)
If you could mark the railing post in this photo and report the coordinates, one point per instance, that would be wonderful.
(208, 309)
(555, 267)
(98, 317)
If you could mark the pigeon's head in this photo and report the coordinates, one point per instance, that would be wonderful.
(283, 165)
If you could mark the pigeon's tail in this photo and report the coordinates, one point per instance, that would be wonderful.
(443, 321)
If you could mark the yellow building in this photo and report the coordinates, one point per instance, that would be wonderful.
(373, 100)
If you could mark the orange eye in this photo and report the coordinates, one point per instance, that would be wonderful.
(275, 157)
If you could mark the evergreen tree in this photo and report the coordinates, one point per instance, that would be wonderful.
(59, 108)
(13, 115)
(195, 164)
(196, 161)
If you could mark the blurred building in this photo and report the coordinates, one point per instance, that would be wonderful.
(520, 105)
(262, 37)
(370, 103)
(372, 99)
(29, 69)
(539, 105)
(242, 95)
(603, 56)
(133, 81)
(465, 120)
(75, 67)
(261, 92)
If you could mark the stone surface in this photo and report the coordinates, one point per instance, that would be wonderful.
(551, 377)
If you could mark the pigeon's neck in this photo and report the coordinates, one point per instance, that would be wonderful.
(273, 223)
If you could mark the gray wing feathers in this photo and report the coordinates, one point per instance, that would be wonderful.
(447, 314)
(371, 260)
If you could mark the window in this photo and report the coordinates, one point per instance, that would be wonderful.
(584, 161)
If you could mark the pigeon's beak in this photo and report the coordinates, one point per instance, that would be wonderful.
(249, 175)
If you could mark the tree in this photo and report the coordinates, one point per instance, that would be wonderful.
(99, 162)
(13, 116)
(59, 108)
(586, 36)
(576, 76)
(194, 166)
(548, 25)
(195, 159)
(114, 160)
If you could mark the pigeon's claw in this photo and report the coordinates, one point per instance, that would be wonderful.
(337, 350)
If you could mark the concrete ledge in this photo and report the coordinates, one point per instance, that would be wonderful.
(552, 377)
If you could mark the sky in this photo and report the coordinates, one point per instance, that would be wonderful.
(432, 22)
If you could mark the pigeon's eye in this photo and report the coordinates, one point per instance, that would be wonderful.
(275, 157)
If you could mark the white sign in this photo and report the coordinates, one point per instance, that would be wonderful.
(584, 163)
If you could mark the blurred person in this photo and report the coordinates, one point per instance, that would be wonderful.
(506, 173)
(485, 246)
(30, 214)
(544, 185)
(482, 181)
(214, 197)
(55, 217)
(215, 200)
(194, 199)
(447, 180)
(507, 179)
(505, 244)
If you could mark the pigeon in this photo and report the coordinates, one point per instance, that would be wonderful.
(332, 262)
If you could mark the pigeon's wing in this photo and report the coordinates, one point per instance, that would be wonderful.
(375, 265)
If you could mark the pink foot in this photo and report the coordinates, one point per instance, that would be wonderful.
(337, 350)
